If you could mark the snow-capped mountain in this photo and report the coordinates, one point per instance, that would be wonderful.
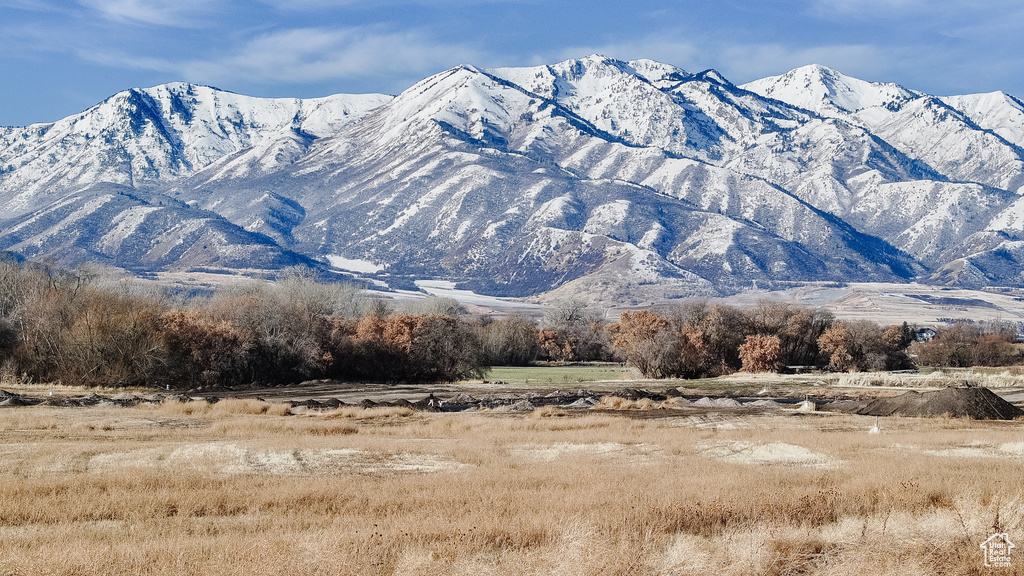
(963, 211)
(625, 181)
(829, 92)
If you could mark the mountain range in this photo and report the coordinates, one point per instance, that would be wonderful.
(624, 182)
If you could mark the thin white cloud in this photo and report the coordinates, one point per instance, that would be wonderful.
(178, 13)
(875, 8)
(301, 5)
(312, 55)
(985, 15)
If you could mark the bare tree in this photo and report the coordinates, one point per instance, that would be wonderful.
(511, 341)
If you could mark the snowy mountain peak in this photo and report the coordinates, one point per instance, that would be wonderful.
(713, 76)
(465, 98)
(827, 91)
(637, 102)
(995, 111)
(656, 72)
(577, 68)
(628, 178)
(145, 137)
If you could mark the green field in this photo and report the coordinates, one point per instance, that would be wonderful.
(611, 376)
(559, 375)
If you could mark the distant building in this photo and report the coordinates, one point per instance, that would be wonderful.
(924, 334)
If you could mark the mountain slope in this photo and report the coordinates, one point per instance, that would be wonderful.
(996, 111)
(467, 175)
(958, 144)
(145, 138)
(116, 225)
(632, 180)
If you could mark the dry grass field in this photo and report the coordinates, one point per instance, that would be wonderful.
(250, 488)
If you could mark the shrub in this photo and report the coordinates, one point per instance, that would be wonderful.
(86, 335)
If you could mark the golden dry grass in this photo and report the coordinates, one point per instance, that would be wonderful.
(225, 407)
(253, 490)
(937, 379)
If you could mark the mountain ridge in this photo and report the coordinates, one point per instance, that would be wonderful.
(629, 177)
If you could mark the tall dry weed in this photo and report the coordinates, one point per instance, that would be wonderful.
(375, 412)
(174, 490)
(936, 379)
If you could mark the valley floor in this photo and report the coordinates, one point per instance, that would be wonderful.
(247, 487)
(884, 303)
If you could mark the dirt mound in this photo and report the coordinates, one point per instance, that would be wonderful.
(706, 402)
(12, 399)
(975, 403)
(462, 400)
(126, 400)
(583, 403)
(637, 394)
(763, 403)
(522, 406)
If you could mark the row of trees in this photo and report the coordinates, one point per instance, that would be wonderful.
(62, 325)
(697, 341)
(66, 326)
(965, 344)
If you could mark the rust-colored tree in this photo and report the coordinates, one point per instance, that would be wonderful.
(838, 343)
(760, 353)
(413, 348)
(202, 351)
(556, 345)
(648, 343)
(695, 360)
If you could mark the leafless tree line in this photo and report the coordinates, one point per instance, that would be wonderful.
(59, 325)
(62, 325)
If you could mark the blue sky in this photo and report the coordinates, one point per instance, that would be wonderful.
(60, 57)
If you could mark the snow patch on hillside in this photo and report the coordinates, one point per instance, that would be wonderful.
(353, 264)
